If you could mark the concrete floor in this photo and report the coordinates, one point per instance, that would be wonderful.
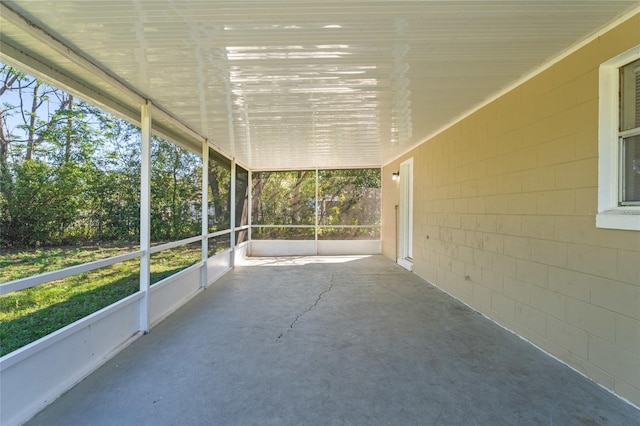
(332, 341)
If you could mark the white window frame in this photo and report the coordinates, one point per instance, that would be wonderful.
(610, 214)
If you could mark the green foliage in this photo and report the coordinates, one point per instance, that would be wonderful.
(349, 197)
(284, 198)
(38, 203)
(175, 192)
(345, 198)
(70, 173)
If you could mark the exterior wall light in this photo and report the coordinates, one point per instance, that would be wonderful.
(395, 175)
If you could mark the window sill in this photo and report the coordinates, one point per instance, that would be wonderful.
(627, 218)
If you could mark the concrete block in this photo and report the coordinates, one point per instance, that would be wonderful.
(593, 260)
(628, 392)
(587, 201)
(628, 333)
(594, 320)
(482, 258)
(458, 236)
(538, 132)
(523, 159)
(487, 223)
(615, 360)
(499, 165)
(478, 205)
(517, 247)
(492, 242)
(504, 307)
(573, 339)
(474, 239)
(481, 297)
(492, 280)
(517, 290)
(557, 151)
(468, 189)
(549, 252)
(497, 204)
(468, 221)
(532, 272)
(473, 273)
(576, 119)
(541, 227)
(531, 319)
(552, 304)
(509, 184)
(505, 265)
(487, 186)
(577, 174)
(539, 179)
(617, 297)
(556, 202)
(597, 374)
(587, 86)
(509, 225)
(570, 283)
(522, 204)
(628, 266)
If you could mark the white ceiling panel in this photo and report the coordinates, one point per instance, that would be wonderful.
(301, 84)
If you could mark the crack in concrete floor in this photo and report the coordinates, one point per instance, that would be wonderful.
(308, 309)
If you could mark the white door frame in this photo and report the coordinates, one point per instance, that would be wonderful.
(405, 231)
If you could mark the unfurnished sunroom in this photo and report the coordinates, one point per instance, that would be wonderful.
(491, 149)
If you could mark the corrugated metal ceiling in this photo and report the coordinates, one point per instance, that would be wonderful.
(298, 84)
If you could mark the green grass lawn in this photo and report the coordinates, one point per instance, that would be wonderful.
(30, 314)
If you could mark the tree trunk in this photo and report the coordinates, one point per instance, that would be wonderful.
(67, 145)
(215, 193)
(32, 122)
(260, 183)
(295, 201)
(174, 195)
(4, 141)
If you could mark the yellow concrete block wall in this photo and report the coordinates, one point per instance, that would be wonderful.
(504, 219)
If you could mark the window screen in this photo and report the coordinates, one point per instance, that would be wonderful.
(631, 170)
(630, 134)
(630, 96)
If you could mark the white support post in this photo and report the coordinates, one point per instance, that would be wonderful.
(232, 221)
(145, 213)
(317, 205)
(205, 213)
(249, 204)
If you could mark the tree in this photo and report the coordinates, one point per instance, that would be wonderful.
(64, 175)
(345, 197)
(219, 176)
(175, 192)
(37, 197)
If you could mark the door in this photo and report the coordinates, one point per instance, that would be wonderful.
(405, 232)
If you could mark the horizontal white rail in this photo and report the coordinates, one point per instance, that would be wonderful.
(348, 226)
(283, 226)
(218, 233)
(36, 280)
(29, 349)
(174, 244)
(313, 226)
(171, 278)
